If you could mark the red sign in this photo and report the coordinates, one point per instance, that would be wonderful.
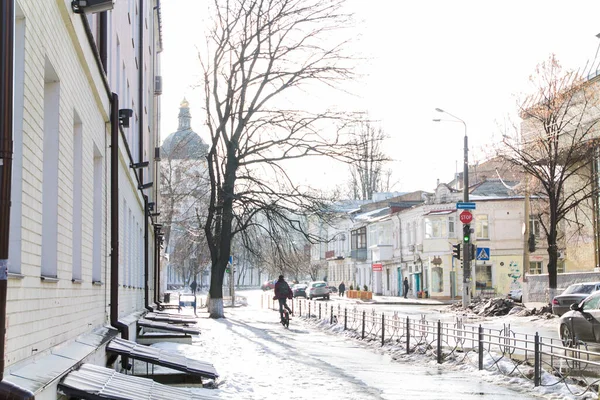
(466, 217)
(377, 267)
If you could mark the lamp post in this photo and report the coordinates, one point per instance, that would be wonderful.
(466, 296)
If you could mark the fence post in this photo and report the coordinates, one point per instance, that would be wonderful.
(536, 357)
(319, 310)
(439, 342)
(293, 306)
(363, 325)
(300, 307)
(331, 316)
(309, 310)
(382, 328)
(345, 318)
(407, 335)
(480, 343)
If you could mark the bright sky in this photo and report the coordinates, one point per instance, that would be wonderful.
(469, 58)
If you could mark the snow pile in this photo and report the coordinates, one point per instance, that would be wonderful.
(500, 306)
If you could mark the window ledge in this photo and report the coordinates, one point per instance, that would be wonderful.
(78, 281)
(14, 275)
(97, 283)
(49, 279)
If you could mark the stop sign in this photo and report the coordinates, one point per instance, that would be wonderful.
(466, 217)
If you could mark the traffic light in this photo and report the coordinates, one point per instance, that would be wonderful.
(472, 252)
(531, 242)
(456, 251)
(466, 233)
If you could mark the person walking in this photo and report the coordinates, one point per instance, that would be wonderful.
(341, 289)
(193, 286)
(405, 287)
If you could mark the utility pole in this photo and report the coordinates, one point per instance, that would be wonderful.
(466, 295)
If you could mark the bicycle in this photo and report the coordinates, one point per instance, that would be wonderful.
(285, 320)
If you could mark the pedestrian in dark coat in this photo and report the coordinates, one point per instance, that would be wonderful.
(193, 286)
(405, 286)
(342, 289)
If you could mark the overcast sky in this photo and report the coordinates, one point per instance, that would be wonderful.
(467, 57)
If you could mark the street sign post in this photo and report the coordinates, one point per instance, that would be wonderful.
(465, 205)
(466, 217)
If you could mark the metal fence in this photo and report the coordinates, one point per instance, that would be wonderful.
(542, 360)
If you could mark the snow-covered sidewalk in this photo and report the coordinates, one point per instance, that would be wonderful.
(257, 358)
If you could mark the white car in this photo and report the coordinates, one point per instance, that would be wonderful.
(317, 289)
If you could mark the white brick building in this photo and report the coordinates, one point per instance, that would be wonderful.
(60, 239)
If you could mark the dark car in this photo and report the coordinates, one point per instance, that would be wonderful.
(299, 290)
(574, 294)
(268, 285)
(582, 322)
(332, 289)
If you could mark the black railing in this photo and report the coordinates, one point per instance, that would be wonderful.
(542, 360)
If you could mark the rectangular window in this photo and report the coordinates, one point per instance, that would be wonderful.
(50, 157)
(482, 226)
(16, 194)
(560, 266)
(451, 233)
(77, 226)
(535, 267)
(97, 217)
(359, 239)
(435, 228)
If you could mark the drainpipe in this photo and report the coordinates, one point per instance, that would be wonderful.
(7, 17)
(114, 225)
(146, 255)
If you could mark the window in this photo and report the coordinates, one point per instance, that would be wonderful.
(435, 228)
(560, 266)
(359, 239)
(535, 267)
(482, 227)
(16, 196)
(77, 172)
(534, 225)
(451, 227)
(593, 303)
(50, 157)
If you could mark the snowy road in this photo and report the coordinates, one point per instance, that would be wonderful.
(259, 359)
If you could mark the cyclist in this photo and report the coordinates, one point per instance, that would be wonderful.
(282, 293)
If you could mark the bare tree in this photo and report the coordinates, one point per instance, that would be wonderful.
(367, 173)
(555, 146)
(259, 51)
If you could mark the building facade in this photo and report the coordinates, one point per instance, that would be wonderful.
(85, 128)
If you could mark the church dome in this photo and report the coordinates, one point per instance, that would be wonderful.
(184, 143)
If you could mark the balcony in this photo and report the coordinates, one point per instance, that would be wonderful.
(359, 254)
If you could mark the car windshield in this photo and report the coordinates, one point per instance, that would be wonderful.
(323, 284)
(299, 286)
(580, 289)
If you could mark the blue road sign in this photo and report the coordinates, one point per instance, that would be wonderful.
(465, 205)
(483, 253)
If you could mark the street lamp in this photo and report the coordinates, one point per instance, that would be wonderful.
(466, 297)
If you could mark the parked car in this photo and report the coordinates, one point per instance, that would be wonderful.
(268, 285)
(581, 322)
(332, 289)
(574, 294)
(516, 295)
(317, 289)
(299, 290)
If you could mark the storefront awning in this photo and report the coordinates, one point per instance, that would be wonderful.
(145, 323)
(163, 358)
(92, 382)
(170, 318)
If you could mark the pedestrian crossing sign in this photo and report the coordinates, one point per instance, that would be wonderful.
(483, 253)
